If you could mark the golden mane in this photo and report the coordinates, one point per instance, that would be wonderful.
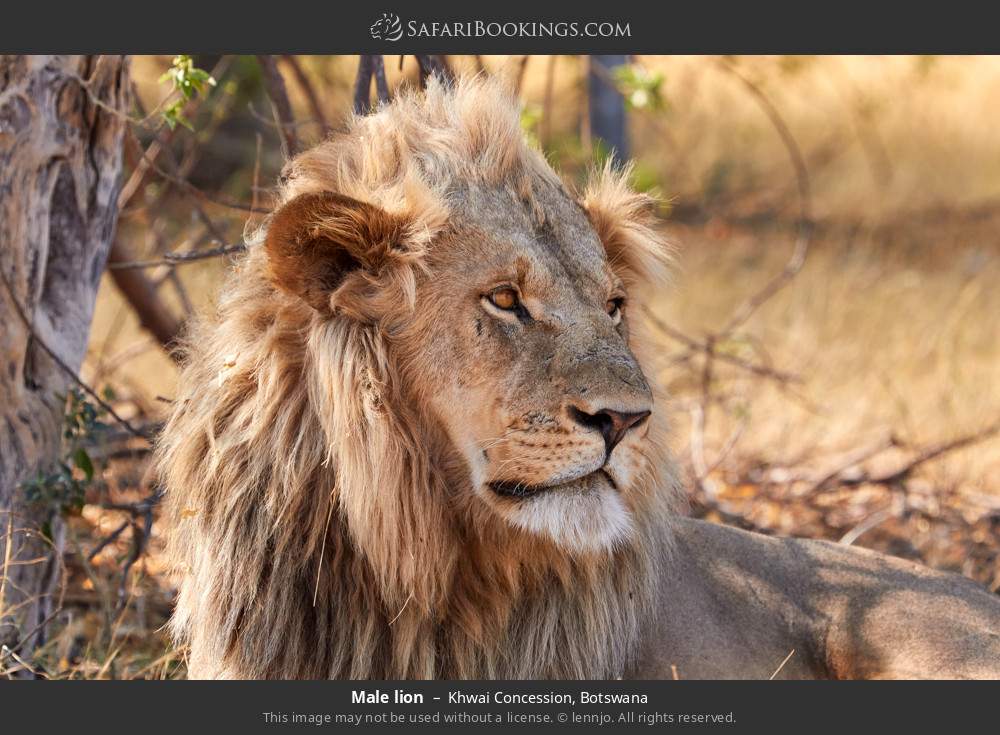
(312, 503)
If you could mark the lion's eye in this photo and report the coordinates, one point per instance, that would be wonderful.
(505, 298)
(614, 308)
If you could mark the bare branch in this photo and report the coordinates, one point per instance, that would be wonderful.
(188, 188)
(381, 85)
(142, 295)
(162, 140)
(853, 460)
(875, 519)
(140, 538)
(762, 370)
(363, 85)
(797, 260)
(107, 540)
(309, 91)
(173, 259)
(434, 64)
(930, 453)
(274, 83)
(370, 66)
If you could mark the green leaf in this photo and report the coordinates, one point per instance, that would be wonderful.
(188, 81)
(640, 87)
(82, 460)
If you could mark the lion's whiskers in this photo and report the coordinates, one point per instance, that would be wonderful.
(494, 441)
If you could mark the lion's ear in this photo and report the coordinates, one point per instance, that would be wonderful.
(625, 221)
(316, 242)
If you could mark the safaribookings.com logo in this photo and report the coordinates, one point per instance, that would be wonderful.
(387, 28)
(390, 28)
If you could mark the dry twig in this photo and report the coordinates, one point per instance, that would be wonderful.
(302, 79)
(274, 83)
(363, 84)
(798, 258)
(175, 259)
(434, 64)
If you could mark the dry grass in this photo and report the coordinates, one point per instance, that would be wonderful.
(884, 340)
(881, 135)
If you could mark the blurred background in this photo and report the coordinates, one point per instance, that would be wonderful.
(829, 338)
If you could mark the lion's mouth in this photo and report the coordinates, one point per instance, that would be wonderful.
(520, 490)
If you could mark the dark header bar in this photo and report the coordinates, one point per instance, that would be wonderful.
(439, 26)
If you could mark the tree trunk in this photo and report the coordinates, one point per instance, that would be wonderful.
(608, 121)
(62, 120)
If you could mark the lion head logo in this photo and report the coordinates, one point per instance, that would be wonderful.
(387, 28)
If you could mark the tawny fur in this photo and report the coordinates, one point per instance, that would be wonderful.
(321, 521)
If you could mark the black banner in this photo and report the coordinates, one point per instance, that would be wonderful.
(450, 27)
(275, 707)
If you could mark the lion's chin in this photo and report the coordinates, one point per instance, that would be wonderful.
(583, 515)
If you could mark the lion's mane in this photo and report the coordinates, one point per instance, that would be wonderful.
(316, 513)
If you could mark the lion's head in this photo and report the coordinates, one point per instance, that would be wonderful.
(426, 373)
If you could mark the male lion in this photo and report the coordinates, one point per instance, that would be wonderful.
(416, 441)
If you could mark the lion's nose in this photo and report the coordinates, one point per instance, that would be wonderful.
(613, 425)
